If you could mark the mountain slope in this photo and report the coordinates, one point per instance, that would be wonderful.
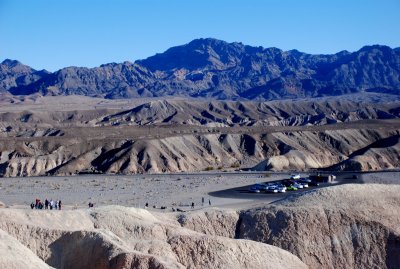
(13, 74)
(216, 69)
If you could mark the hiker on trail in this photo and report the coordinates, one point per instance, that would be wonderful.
(202, 201)
(209, 202)
(192, 204)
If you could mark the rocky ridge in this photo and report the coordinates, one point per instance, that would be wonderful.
(210, 68)
(118, 237)
(352, 149)
(333, 227)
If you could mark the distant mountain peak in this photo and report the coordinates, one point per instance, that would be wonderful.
(10, 63)
(376, 46)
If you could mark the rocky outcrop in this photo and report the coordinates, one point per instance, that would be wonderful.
(13, 74)
(344, 226)
(14, 255)
(118, 237)
(216, 69)
(212, 222)
(182, 135)
(348, 226)
(274, 151)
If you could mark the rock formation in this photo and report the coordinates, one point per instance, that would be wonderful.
(216, 69)
(333, 227)
(345, 226)
(118, 237)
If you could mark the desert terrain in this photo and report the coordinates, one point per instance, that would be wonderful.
(80, 135)
(171, 153)
(334, 225)
(133, 137)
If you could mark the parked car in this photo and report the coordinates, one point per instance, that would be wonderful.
(313, 183)
(304, 180)
(261, 187)
(281, 189)
(305, 185)
(281, 186)
(254, 189)
(295, 176)
(291, 188)
(289, 182)
(272, 189)
(298, 185)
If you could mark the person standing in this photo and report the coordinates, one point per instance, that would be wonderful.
(59, 205)
(192, 204)
(46, 204)
(202, 201)
(209, 202)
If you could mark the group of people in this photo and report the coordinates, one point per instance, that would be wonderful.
(173, 209)
(202, 202)
(48, 204)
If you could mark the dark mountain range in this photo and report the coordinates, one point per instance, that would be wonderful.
(221, 70)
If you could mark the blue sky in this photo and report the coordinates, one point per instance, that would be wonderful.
(51, 34)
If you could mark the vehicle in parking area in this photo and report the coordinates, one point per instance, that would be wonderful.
(288, 183)
(291, 188)
(304, 180)
(298, 185)
(281, 186)
(305, 185)
(281, 189)
(272, 190)
(254, 189)
(313, 183)
(261, 187)
(295, 176)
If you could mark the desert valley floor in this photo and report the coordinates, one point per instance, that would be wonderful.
(172, 190)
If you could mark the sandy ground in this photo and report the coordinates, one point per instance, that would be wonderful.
(171, 190)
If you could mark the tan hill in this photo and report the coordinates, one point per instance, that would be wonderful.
(118, 237)
(293, 150)
(14, 255)
(345, 226)
(64, 136)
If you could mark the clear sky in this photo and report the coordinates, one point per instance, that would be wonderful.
(51, 34)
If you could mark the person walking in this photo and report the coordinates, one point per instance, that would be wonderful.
(209, 202)
(192, 204)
